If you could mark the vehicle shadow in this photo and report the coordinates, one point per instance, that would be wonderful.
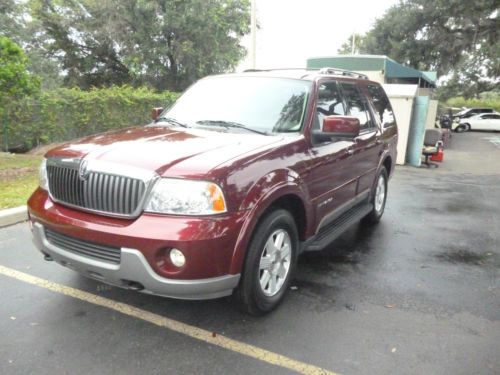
(318, 281)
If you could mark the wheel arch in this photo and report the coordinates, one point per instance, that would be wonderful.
(388, 164)
(288, 198)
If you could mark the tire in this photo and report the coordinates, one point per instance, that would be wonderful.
(255, 295)
(462, 128)
(377, 199)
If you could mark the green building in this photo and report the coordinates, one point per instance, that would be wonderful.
(410, 91)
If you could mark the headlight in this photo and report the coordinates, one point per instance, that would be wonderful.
(186, 197)
(42, 176)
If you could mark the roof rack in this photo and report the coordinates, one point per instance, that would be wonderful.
(342, 72)
(336, 71)
(270, 70)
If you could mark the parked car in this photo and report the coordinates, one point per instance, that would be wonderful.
(469, 112)
(224, 189)
(484, 121)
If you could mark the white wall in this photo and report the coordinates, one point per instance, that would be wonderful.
(401, 97)
(374, 75)
(431, 114)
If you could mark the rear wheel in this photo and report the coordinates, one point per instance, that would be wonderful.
(463, 128)
(270, 263)
(379, 197)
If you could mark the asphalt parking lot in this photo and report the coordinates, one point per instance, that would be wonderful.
(419, 293)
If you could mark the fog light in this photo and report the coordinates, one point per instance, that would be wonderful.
(178, 259)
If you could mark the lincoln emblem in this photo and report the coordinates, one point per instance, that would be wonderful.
(82, 170)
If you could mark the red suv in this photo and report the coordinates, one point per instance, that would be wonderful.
(224, 189)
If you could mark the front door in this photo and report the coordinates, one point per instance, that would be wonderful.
(332, 181)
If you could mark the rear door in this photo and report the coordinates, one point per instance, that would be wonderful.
(368, 146)
(490, 122)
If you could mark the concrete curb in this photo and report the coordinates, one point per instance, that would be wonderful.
(12, 216)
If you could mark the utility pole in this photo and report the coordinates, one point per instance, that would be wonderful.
(253, 30)
(353, 43)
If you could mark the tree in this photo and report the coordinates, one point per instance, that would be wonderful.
(459, 39)
(16, 25)
(11, 20)
(166, 44)
(15, 81)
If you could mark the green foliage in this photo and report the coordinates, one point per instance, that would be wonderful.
(64, 114)
(458, 39)
(488, 102)
(15, 81)
(16, 24)
(165, 44)
(11, 21)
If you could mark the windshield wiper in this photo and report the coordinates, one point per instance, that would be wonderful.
(172, 121)
(229, 124)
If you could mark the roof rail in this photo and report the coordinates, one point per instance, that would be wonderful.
(342, 72)
(271, 70)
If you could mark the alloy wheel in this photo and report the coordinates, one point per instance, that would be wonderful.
(275, 262)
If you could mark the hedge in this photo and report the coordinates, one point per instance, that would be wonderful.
(64, 114)
(460, 102)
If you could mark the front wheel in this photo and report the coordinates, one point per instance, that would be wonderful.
(379, 197)
(269, 264)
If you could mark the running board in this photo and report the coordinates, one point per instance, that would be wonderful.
(332, 231)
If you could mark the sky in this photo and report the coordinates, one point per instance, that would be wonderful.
(291, 31)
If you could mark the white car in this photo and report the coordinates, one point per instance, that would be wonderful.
(483, 121)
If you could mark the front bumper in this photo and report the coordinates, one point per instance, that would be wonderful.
(134, 272)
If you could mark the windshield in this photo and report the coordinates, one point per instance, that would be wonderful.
(261, 104)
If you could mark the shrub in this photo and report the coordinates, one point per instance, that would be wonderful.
(64, 114)
(487, 102)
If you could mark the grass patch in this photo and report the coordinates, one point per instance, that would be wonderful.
(15, 161)
(18, 178)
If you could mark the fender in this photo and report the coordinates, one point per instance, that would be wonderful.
(261, 196)
(386, 153)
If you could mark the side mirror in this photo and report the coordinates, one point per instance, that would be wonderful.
(156, 112)
(337, 127)
(341, 126)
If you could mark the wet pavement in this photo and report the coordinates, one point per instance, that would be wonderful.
(418, 293)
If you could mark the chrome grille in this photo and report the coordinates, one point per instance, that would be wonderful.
(88, 249)
(102, 192)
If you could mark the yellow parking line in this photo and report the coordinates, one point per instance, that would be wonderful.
(174, 325)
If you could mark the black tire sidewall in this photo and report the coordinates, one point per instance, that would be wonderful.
(382, 172)
(374, 216)
(250, 290)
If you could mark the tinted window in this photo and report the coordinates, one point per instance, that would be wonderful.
(356, 105)
(329, 100)
(481, 110)
(490, 116)
(328, 103)
(382, 105)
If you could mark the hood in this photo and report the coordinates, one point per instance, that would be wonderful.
(167, 151)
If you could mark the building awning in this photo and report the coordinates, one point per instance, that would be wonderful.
(391, 69)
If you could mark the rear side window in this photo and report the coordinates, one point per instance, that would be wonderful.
(356, 105)
(382, 105)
